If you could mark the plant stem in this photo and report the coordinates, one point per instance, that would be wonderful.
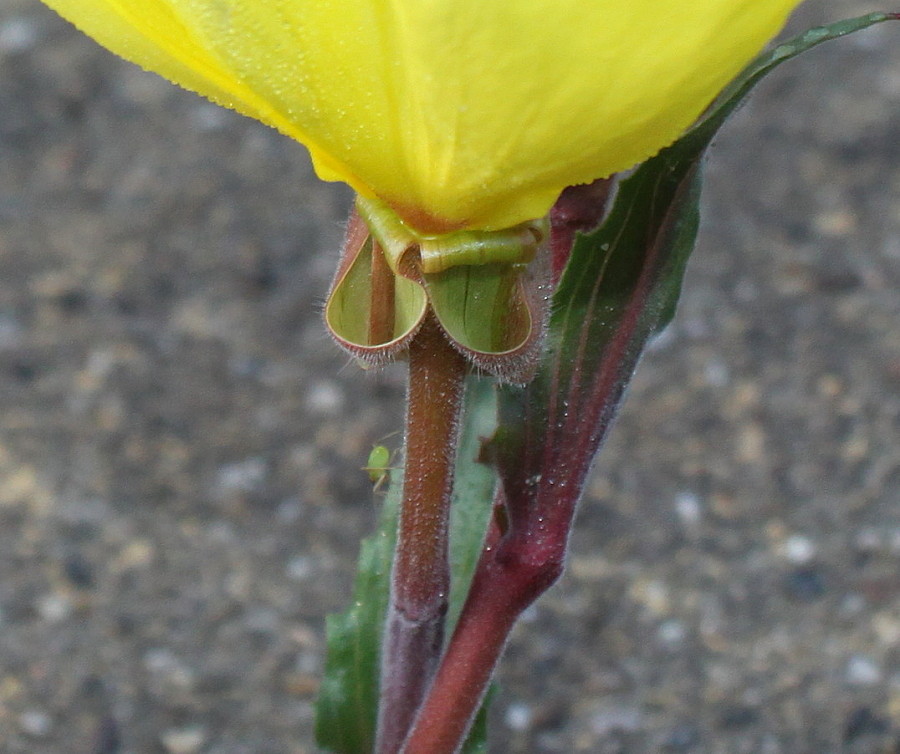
(420, 580)
(511, 574)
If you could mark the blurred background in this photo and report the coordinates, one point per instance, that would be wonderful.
(181, 497)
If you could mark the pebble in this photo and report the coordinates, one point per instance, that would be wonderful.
(183, 740)
(11, 330)
(738, 716)
(862, 671)
(17, 35)
(35, 723)
(163, 663)
(688, 508)
(241, 476)
(868, 540)
(107, 738)
(615, 718)
(716, 373)
(324, 397)
(262, 620)
(289, 511)
(862, 722)
(208, 117)
(78, 571)
(299, 568)
(682, 738)
(887, 628)
(54, 607)
(799, 549)
(518, 717)
(653, 595)
(672, 633)
(852, 605)
(894, 540)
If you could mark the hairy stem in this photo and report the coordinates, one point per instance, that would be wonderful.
(512, 573)
(420, 580)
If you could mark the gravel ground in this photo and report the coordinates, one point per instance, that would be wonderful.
(180, 500)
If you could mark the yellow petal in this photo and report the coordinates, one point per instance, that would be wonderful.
(458, 113)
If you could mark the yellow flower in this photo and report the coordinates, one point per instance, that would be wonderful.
(458, 114)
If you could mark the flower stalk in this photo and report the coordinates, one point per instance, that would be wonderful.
(420, 580)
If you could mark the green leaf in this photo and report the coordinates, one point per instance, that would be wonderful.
(348, 700)
(619, 288)
(347, 707)
(473, 491)
(477, 740)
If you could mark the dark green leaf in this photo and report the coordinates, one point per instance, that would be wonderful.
(347, 708)
(619, 288)
(477, 740)
(473, 490)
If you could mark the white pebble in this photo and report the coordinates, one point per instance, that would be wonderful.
(671, 633)
(688, 508)
(518, 717)
(54, 608)
(165, 665)
(799, 549)
(716, 373)
(207, 117)
(614, 717)
(868, 539)
(299, 568)
(862, 671)
(35, 723)
(17, 35)
(324, 398)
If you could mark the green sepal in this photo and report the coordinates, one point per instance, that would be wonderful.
(487, 290)
(481, 307)
(355, 295)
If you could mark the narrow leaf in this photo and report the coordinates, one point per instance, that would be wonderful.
(472, 492)
(347, 707)
(619, 288)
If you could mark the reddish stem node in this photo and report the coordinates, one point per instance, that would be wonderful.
(512, 573)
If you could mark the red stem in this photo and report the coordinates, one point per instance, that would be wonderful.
(420, 581)
(506, 582)
(579, 209)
